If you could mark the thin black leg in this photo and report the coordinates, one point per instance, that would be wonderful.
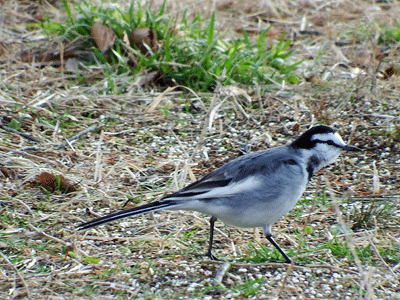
(209, 252)
(269, 238)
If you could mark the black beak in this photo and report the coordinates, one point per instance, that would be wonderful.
(351, 148)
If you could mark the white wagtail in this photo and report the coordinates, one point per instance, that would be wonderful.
(253, 190)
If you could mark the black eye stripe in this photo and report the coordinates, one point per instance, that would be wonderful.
(328, 142)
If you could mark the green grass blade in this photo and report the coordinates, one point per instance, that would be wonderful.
(245, 36)
(184, 20)
(210, 34)
(162, 9)
(68, 11)
(167, 48)
(262, 37)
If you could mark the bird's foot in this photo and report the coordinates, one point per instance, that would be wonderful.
(212, 256)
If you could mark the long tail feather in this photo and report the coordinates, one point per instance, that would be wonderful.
(154, 206)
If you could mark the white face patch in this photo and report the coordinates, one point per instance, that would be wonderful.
(335, 137)
(338, 140)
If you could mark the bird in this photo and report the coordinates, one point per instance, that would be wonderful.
(253, 190)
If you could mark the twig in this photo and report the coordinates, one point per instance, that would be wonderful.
(119, 286)
(121, 132)
(221, 273)
(380, 257)
(13, 151)
(97, 169)
(34, 148)
(77, 136)
(381, 116)
(283, 102)
(24, 135)
(364, 281)
(349, 240)
(285, 265)
(23, 204)
(285, 278)
(240, 108)
(212, 113)
(119, 239)
(157, 100)
(18, 274)
(50, 237)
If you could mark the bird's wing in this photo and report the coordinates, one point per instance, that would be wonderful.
(211, 181)
(249, 167)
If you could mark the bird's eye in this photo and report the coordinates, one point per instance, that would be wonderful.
(330, 142)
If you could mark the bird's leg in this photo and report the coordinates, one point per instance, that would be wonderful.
(209, 252)
(269, 238)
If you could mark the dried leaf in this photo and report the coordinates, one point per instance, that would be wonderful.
(234, 91)
(55, 52)
(53, 182)
(379, 54)
(7, 172)
(125, 38)
(103, 36)
(158, 99)
(225, 5)
(132, 60)
(72, 66)
(375, 179)
(140, 37)
(147, 78)
(249, 30)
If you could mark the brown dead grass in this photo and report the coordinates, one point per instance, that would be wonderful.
(145, 155)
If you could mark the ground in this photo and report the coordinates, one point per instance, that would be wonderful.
(343, 235)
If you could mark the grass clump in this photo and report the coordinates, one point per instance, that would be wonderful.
(250, 287)
(265, 253)
(190, 53)
(389, 35)
(364, 214)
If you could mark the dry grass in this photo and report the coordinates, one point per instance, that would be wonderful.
(139, 155)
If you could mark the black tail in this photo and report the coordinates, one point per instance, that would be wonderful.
(154, 206)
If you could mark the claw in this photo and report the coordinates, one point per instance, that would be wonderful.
(212, 256)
